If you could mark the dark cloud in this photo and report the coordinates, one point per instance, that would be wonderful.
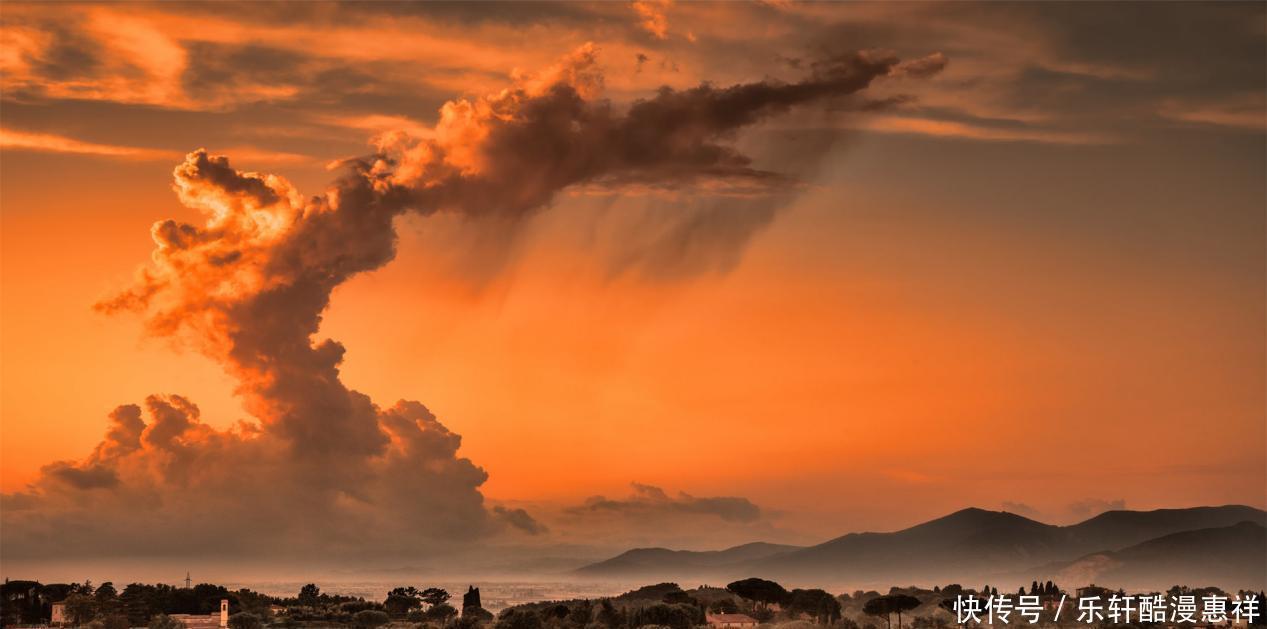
(71, 54)
(923, 67)
(520, 519)
(674, 140)
(82, 477)
(215, 173)
(226, 66)
(649, 501)
(1020, 508)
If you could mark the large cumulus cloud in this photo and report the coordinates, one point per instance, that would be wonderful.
(321, 466)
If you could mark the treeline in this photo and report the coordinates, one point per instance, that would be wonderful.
(30, 602)
(663, 605)
(668, 605)
(144, 605)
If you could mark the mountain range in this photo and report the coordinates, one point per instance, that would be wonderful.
(1224, 546)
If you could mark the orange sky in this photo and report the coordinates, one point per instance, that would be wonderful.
(1042, 284)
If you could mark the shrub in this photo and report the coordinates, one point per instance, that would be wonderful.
(368, 618)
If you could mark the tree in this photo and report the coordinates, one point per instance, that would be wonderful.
(163, 621)
(476, 614)
(245, 620)
(759, 591)
(107, 598)
(519, 619)
(878, 607)
(115, 621)
(441, 613)
(663, 614)
(470, 621)
(891, 604)
(902, 603)
(434, 596)
(680, 598)
(820, 605)
(81, 607)
(582, 613)
(135, 604)
(309, 595)
(609, 615)
(106, 591)
(369, 618)
(401, 600)
(724, 606)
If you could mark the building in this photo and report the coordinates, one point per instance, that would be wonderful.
(731, 621)
(59, 613)
(1093, 590)
(207, 621)
(471, 598)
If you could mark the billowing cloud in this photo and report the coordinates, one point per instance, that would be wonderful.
(320, 465)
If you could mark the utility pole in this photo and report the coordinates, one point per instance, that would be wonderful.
(187, 581)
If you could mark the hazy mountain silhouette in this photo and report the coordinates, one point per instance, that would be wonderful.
(1231, 557)
(968, 542)
(1119, 529)
(968, 546)
(643, 562)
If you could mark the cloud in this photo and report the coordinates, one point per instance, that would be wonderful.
(473, 160)
(968, 131)
(322, 466)
(1095, 506)
(1242, 112)
(254, 155)
(1021, 508)
(46, 142)
(50, 143)
(654, 18)
(648, 501)
(520, 519)
(923, 67)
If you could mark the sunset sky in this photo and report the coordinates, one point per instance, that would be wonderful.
(1020, 265)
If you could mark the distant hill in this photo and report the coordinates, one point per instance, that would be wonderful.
(966, 546)
(650, 562)
(1118, 529)
(1231, 557)
(971, 542)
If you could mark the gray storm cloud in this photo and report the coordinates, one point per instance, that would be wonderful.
(321, 466)
(651, 502)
